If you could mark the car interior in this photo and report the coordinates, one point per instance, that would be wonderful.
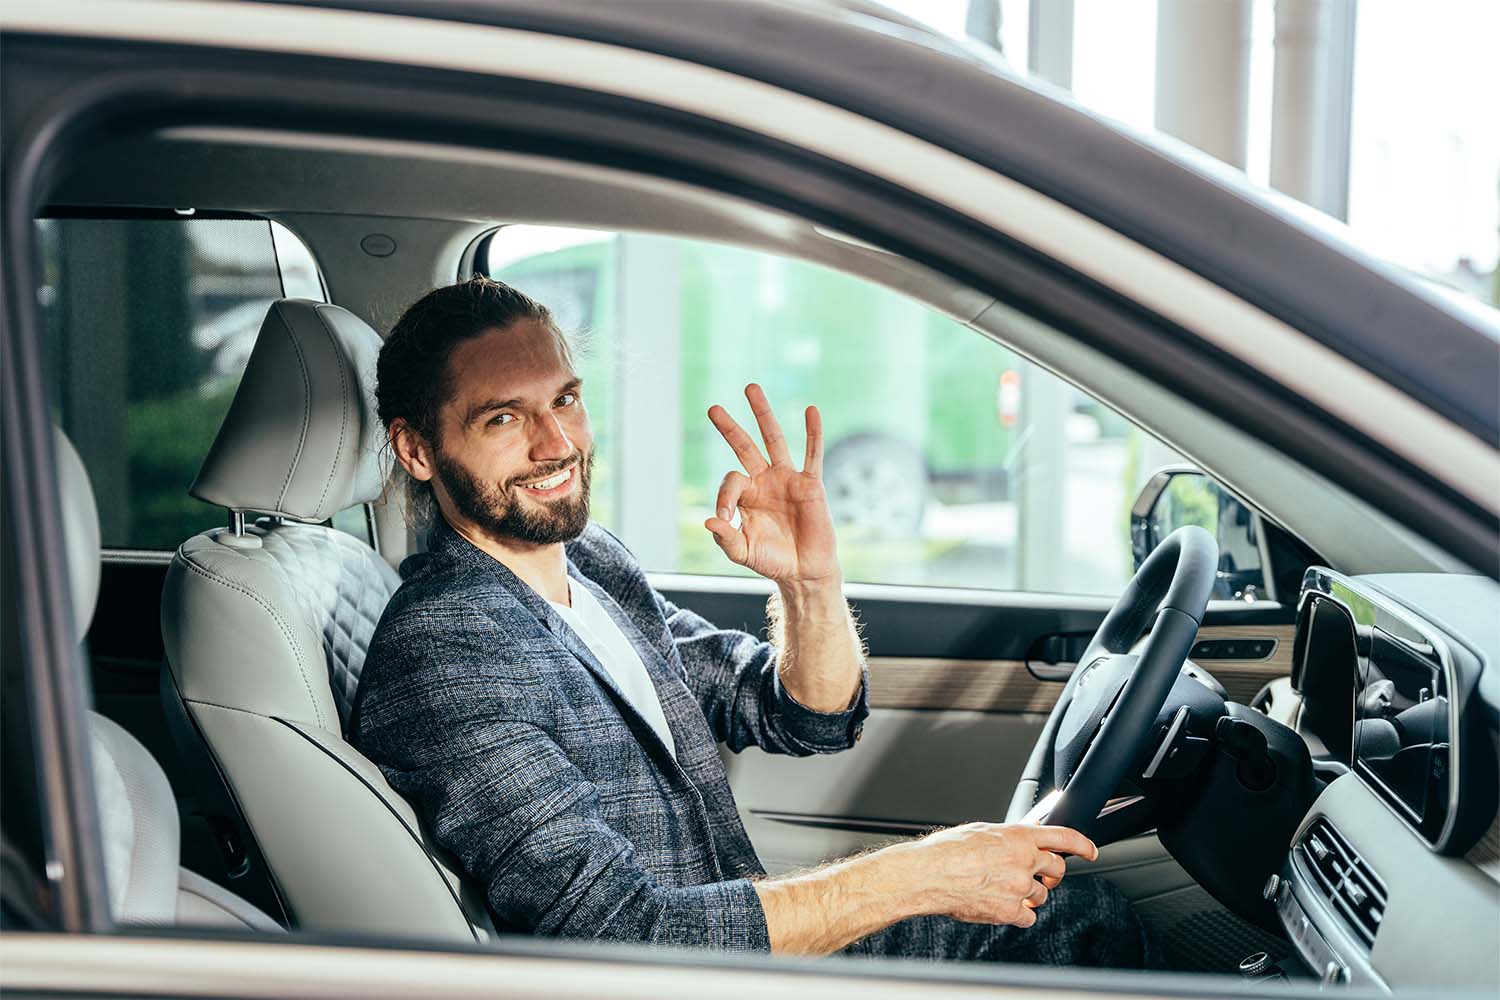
(223, 663)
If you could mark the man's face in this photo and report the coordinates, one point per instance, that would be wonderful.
(514, 452)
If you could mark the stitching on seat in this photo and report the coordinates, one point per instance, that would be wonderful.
(306, 407)
(285, 628)
(226, 708)
(438, 868)
(134, 833)
(220, 907)
(344, 399)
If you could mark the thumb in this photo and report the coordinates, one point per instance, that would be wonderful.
(729, 538)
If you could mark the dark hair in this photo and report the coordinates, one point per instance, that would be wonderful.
(412, 379)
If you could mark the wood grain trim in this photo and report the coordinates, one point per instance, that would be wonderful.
(1243, 678)
(958, 685)
(941, 684)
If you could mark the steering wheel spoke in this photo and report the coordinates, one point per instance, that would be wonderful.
(1104, 719)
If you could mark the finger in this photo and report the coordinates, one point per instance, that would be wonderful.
(812, 461)
(749, 455)
(1036, 897)
(1051, 866)
(730, 491)
(1065, 840)
(1050, 881)
(1025, 917)
(770, 429)
(729, 538)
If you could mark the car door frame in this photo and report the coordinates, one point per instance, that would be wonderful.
(34, 149)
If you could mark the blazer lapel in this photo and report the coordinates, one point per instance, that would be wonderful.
(447, 541)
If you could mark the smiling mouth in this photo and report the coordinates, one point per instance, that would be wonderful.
(551, 483)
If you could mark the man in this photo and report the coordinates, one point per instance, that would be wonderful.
(556, 721)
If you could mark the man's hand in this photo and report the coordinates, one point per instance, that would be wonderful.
(980, 872)
(785, 531)
(993, 873)
(786, 534)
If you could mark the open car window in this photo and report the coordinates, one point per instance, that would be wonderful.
(951, 461)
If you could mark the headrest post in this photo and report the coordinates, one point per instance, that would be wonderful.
(236, 522)
(372, 526)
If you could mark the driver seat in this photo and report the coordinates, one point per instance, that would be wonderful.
(265, 628)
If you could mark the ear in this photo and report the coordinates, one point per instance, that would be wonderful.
(412, 450)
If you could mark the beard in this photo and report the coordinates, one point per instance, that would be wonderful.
(505, 515)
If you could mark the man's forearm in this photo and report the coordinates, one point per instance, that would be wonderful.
(823, 910)
(981, 872)
(821, 656)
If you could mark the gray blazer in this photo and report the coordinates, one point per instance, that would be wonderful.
(526, 762)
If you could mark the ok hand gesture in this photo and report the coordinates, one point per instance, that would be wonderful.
(785, 531)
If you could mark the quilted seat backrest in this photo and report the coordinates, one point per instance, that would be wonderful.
(300, 600)
(341, 587)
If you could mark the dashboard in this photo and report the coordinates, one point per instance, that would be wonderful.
(1393, 878)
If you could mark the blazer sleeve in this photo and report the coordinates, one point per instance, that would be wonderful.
(503, 798)
(734, 677)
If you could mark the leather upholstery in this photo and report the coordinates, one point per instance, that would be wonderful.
(300, 439)
(80, 532)
(137, 811)
(265, 635)
(138, 820)
(279, 629)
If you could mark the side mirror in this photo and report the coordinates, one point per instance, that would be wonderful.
(1179, 495)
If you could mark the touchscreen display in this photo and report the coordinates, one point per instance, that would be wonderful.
(1329, 675)
(1401, 727)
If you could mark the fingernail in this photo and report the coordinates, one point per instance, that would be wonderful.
(724, 513)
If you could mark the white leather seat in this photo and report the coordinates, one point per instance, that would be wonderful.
(137, 811)
(266, 625)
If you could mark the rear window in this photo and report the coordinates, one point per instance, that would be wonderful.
(149, 324)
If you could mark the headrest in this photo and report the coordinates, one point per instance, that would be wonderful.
(139, 826)
(80, 532)
(301, 439)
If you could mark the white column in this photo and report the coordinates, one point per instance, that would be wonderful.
(648, 419)
(1039, 477)
(1203, 74)
(1312, 102)
(1049, 41)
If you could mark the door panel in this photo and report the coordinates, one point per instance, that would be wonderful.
(1243, 676)
(959, 692)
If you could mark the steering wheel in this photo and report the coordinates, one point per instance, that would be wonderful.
(1105, 714)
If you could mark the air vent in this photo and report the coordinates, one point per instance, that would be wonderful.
(1344, 878)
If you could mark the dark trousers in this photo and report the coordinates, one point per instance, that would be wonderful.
(1085, 921)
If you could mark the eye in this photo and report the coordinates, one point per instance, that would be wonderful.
(501, 418)
(567, 399)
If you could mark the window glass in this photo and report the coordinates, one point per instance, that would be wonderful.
(149, 325)
(950, 461)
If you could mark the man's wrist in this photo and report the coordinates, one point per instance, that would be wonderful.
(813, 599)
(905, 881)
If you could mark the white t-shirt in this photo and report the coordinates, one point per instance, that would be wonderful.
(604, 639)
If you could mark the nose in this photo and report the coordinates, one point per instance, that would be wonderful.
(550, 441)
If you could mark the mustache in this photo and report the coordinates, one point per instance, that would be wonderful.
(543, 471)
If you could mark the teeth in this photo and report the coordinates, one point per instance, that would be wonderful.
(547, 484)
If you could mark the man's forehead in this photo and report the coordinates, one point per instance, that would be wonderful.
(522, 359)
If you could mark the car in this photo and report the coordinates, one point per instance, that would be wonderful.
(1303, 789)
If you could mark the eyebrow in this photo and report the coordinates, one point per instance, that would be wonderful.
(490, 405)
